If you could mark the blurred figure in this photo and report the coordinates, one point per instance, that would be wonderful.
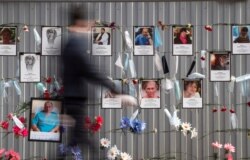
(78, 72)
(151, 89)
(144, 38)
(191, 89)
(243, 37)
(183, 37)
(46, 120)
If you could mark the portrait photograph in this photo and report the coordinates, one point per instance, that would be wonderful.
(101, 41)
(150, 94)
(143, 40)
(51, 41)
(44, 120)
(109, 99)
(240, 39)
(220, 66)
(8, 41)
(192, 93)
(182, 40)
(30, 66)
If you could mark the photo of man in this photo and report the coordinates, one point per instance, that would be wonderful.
(240, 39)
(144, 36)
(103, 38)
(220, 62)
(101, 41)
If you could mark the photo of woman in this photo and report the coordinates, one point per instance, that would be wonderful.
(182, 36)
(192, 89)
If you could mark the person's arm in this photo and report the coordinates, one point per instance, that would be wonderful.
(150, 41)
(104, 38)
(56, 129)
(137, 40)
(34, 124)
(57, 124)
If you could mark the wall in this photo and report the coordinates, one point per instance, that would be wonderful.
(127, 14)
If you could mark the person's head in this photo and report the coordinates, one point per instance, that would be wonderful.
(243, 31)
(183, 32)
(223, 60)
(6, 35)
(51, 34)
(29, 60)
(48, 107)
(102, 30)
(150, 88)
(145, 32)
(191, 87)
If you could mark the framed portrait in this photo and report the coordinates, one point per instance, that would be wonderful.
(182, 40)
(220, 66)
(143, 40)
(109, 99)
(192, 93)
(150, 94)
(51, 41)
(30, 67)
(44, 123)
(240, 39)
(101, 41)
(8, 37)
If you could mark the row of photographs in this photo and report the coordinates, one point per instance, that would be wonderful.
(143, 36)
(149, 94)
(220, 67)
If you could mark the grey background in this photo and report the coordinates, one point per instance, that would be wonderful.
(52, 13)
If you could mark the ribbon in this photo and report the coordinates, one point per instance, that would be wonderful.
(18, 122)
(128, 41)
(157, 61)
(173, 119)
(134, 115)
(234, 120)
(203, 59)
(40, 86)
(231, 84)
(244, 83)
(164, 64)
(118, 62)
(126, 61)
(132, 90)
(192, 66)
(3, 92)
(157, 38)
(167, 85)
(37, 39)
(56, 84)
(242, 78)
(17, 87)
(132, 68)
(177, 89)
(196, 76)
(216, 88)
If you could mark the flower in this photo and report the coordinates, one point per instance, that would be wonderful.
(105, 143)
(2, 152)
(25, 28)
(99, 120)
(232, 111)
(194, 133)
(248, 103)
(87, 122)
(22, 119)
(208, 28)
(62, 149)
(4, 125)
(229, 147)
(112, 153)
(223, 109)
(77, 153)
(12, 155)
(214, 110)
(48, 80)
(95, 127)
(137, 126)
(24, 132)
(10, 116)
(125, 156)
(125, 123)
(217, 145)
(185, 127)
(16, 130)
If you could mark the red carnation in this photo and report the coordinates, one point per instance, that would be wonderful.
(10, 116)
(22, 119)
(209, 28)
(24, 132)
(4, 125)
(87, 122)
(16, 130)
(99, 120)
(135, 81)
(203, 58)
(46, 94)
(95, 127)
(248, 103)
(223, 109)
(48, 80)
(214, 110)
(232, 110)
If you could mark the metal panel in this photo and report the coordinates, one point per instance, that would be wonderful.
(127, 14)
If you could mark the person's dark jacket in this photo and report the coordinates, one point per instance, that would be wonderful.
(78, 71)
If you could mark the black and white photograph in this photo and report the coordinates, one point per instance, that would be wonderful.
(101, 41)
(8, 41)
(143, 40)
(150, 94)
(109, 99)
(192, 93)
(240, 39)
(30, 67)
(51, 41)
(220, 66)
(45, 120)
(182, 40)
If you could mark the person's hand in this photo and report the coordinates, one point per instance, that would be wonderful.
(127, 100)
